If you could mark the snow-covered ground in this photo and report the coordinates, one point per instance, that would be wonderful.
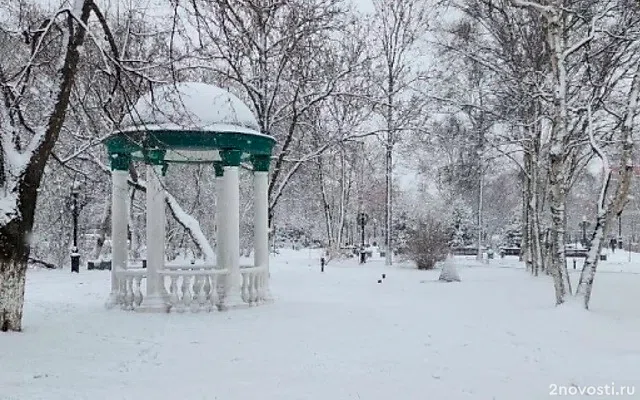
(333, 336)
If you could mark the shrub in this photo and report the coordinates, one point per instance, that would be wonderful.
(428, 242)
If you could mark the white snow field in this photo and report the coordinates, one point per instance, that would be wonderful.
(333, 336)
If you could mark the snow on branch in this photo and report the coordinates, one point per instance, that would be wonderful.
(578, 45)
(83, 148)
(542, 9)
(188, 222)
(191, 225)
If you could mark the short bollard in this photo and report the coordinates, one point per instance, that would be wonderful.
(384, 276)
(322, 262)
(379, 280)
(574, 263)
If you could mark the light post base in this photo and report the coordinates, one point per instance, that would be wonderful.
(75, 261)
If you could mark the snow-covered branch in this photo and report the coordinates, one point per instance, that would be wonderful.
(543, 9)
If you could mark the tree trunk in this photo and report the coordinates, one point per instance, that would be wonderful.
(388, 220)
(591, 263)
(388, 215)
(565, 270)
(557, 237)
(543, 226)
(525, 247)
(326, 207)
(14, 256)
(608, 207)
(557, 152)
(105, 226)
(533, 256)
(533, 250)
(538, 260)
(537, 189)
(524, 240)
(12, 282)
(345, 195)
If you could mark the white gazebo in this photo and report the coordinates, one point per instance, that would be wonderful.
(190, 123)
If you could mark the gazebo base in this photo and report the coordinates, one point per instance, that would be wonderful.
(155, 304)
(112, 301)
(234, 300)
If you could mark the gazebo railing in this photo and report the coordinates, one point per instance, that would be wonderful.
(194, 289)
(130, 287)
(254, 284)
(191, 287)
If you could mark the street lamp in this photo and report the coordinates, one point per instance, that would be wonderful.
(584, 225)
(620, 230)
(75, 210)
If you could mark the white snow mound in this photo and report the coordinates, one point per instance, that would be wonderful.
(449, 272)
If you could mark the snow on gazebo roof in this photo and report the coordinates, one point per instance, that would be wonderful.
(189, 122)
(190, 106)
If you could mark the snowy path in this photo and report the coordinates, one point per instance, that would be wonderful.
(332, 336)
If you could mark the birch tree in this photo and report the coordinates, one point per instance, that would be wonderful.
(610, 204)
(538, 69)
(570, 29)
(620, 43)
(542, 55)
(341, 167)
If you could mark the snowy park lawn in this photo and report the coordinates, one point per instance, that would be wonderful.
(332, 336)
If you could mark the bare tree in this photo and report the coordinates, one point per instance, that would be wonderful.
(341, 167)
(398, 26)
(67, 83)
(37, 82)
(503, 48)
(285, 58)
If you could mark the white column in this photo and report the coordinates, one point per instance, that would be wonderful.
(119, 195)
(261, 224)
(220, 234)
(220, 214)
(154, 300)
(231, 194)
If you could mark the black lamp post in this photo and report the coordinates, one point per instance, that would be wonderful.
(363, 218)
(620, 230)
(75, 210)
